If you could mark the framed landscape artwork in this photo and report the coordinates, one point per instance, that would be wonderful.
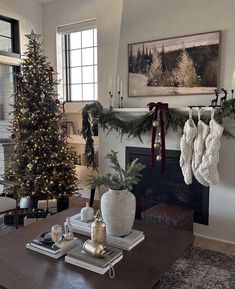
(176, 66)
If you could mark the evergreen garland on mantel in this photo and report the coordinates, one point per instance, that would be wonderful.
(108, 121)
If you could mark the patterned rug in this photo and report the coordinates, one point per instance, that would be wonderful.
(200, 269)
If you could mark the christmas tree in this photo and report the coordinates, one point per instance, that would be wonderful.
(42, 163)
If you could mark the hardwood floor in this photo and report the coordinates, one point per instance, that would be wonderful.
(213, 245)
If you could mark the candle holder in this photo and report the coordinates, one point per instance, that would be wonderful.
(110, 99)
(119, 98)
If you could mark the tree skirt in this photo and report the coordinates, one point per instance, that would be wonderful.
(200, 269)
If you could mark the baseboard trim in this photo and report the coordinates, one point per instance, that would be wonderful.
(214, 239)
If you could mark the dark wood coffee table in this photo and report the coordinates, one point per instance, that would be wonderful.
(141, 268)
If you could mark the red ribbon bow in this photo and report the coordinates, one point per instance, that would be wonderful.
(158, 108)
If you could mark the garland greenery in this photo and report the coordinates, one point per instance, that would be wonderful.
(109, 121)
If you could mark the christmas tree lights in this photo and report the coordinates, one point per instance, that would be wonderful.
(42, 163)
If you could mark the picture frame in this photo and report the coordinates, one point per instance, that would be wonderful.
(181, 65)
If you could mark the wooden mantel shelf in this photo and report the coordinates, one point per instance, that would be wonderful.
(132, 110)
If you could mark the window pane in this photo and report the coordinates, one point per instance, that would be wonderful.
(76, 76)
(7, 89)
(75, 58)
(88, 74)
(88, 91)
(95, 37)
(87, 38)
(75, 40)
(87, 56)
(76, 92)
(96, 91)
(5, 28)
(5, 44)
(95, 55)
(95, 73)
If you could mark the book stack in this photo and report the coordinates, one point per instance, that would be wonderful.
(80, 258)
(50, 250)
(124, 243)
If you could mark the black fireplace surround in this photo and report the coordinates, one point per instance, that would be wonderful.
(155, 187)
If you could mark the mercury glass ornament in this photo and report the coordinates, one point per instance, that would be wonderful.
(156, 123)
(158, 158)
(56, 234)
(157, 145)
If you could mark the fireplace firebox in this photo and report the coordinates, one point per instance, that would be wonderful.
(168, 188)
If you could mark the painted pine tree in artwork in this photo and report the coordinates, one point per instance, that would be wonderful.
(42, 164)
(185, 74)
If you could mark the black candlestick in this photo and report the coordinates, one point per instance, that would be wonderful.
(121, 99)
(111, 99)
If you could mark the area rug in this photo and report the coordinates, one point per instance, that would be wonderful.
(200, 269)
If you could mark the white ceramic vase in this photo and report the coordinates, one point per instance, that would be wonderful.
(118, 211)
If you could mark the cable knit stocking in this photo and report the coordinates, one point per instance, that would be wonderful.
(199, 150)
(186, 147)
(210, 159)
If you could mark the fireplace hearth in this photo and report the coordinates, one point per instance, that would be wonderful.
(168, 188)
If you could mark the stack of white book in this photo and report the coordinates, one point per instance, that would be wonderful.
(50, 250)
(80, 258)
(125, 243)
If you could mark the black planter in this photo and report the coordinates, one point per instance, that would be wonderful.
(62, 203)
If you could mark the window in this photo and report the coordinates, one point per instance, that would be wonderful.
(9, 37)
(80, 64)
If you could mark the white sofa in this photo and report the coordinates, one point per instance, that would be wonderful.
(9, 204)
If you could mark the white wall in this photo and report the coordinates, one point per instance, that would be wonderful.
(29, 14)
(108, 16)
(159, 19)
(149, 20)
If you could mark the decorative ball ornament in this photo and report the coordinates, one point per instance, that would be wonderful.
(13, 136)
(23, 110)
(158, 158)
(42, 96)
(156, 123)
(159, 134)
(157, 145)
(30, 166)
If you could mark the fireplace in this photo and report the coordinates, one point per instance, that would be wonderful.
(155, 188)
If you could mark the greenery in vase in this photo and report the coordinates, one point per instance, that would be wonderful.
(121, 179)
(42, 163)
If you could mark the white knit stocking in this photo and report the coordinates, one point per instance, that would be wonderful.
(186, 147)
(210, 159)
(199, 149)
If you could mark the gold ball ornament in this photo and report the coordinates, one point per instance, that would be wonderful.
(157, 145)
(156, 123)
(23, 110)
(158, 158)
(30, 166)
